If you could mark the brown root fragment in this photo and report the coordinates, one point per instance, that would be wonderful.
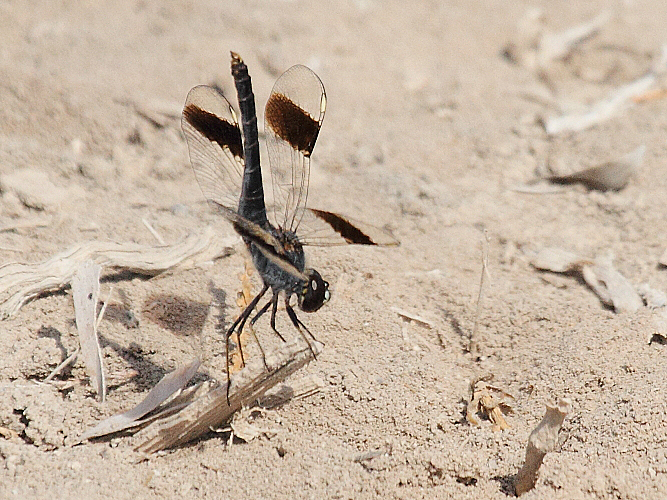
(542, 440)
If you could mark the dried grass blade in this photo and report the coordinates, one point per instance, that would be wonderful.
(165, 388)
(86, 291)
(211, 410)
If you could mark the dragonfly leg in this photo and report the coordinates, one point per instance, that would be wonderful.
(240, 323)
(299, 325)
(273, 317)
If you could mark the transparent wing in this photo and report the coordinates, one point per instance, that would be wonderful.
(322, 228)
(292, 119)
(215, 144)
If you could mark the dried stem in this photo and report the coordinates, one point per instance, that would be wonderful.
(542, 440)
(473, 345)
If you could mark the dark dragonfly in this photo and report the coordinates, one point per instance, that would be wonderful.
(226, 165)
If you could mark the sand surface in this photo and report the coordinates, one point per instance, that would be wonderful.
(428, 128)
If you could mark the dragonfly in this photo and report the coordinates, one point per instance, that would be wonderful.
(225, 158)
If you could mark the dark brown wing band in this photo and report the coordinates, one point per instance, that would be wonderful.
(291, 123)
(215, 129)
(346, 229)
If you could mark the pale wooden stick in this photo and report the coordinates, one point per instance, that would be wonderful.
(211, 410)
(26, 281)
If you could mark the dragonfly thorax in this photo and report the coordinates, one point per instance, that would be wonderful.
(273, 274)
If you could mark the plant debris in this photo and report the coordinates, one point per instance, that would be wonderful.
(165, 388)
(490, 400)
(613, 289)
(86, 291)
(611, 175)
(24, 282)
(210, 409)
(604, 109)
(536, 47)
(542, 440)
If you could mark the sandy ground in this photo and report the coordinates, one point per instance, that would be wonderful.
(428, 127)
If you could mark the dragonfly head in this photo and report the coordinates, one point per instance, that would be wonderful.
(315, 292)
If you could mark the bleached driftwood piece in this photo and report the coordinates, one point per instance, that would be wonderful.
(542, 440)
(536, 47)
(86, 291)
(211, 410)
(26, 281)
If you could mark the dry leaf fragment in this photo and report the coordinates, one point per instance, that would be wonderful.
(492, 401)
(243, 427)
(86, 291)
(609, 285)
(542, 440)
(612, 175)
(165, 388)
